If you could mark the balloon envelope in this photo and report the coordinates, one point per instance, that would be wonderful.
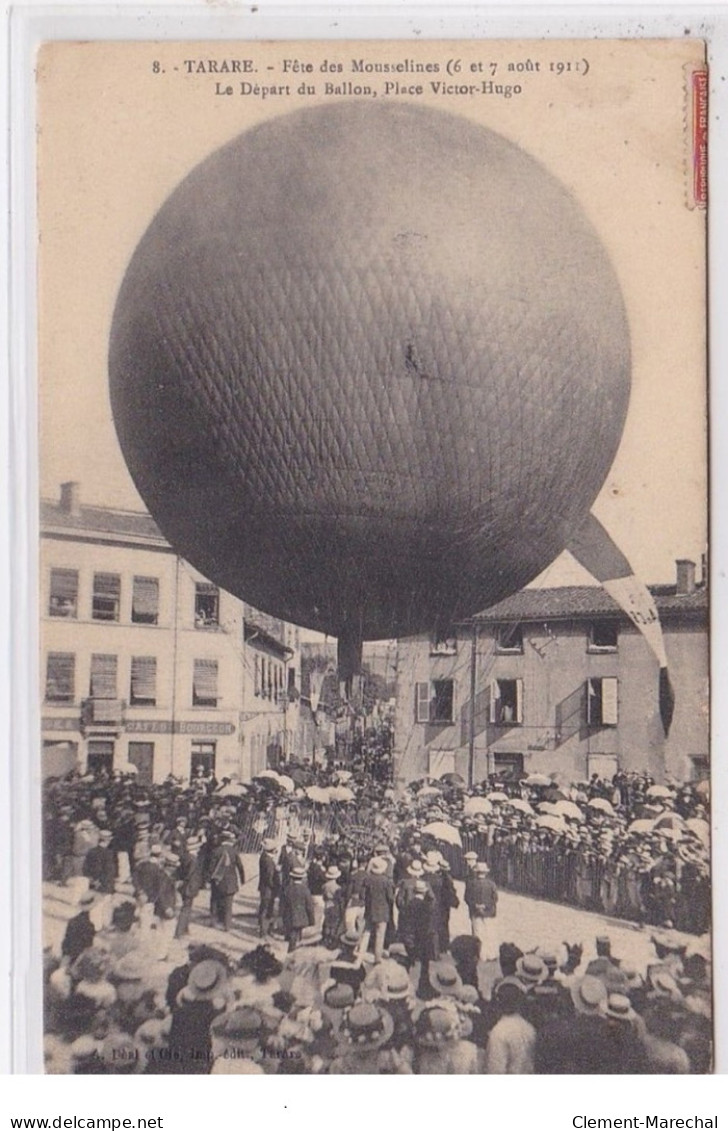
(369, 367)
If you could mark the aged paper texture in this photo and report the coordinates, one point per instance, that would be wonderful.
(400, 344)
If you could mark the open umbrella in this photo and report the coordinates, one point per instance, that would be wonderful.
(538, 779)
(343, 776)
(546, 807)
(267, 775)
(497, 796)
(440, 830)
(700, 828)
(601, 805)
(521, 805)
(127, 768)
(669, 821)
(477, 805)
(703, 788)
(641, 825)
(659, 791)
(318, 795)
(341, 793)
(428, 791)
(234, 789)
(452, 779)
(569, 809)
(549, 821)
(288, 783)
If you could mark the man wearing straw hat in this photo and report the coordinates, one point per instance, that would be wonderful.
(481, 897)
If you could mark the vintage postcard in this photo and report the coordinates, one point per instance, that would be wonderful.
(373, 568)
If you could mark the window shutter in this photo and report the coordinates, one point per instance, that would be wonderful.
(422, 702)
(144, 677)
(519, 701)
(494, 700)
(60, 676)
(145, 597)
(107, 584)
(64, 583)
(103, 677)
(589, 696)
(609, 701)
(205, 679)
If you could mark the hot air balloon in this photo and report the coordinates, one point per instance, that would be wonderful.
(369, 368)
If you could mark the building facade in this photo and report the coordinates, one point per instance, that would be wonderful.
(557, 680)
(144, 661)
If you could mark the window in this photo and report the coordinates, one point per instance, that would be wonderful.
(509, 638)
(141, 755)
(106, 596)
(207, 605)
(63, 601)
(434, 701)
(103, 677)
(60, 677)
(603, 635)
(204, 683)
(601, 702)
(444, 646)
(509, 766)
(143, 692)
(202, 758)
(506, 702)
(145, 600)
(700, 767)
(100, 756)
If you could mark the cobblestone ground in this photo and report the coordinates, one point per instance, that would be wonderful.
(521, 919)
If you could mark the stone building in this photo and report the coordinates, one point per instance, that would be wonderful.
(561, 682)
(144, 661)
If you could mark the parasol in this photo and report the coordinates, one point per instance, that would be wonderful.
(641, 825)
(477, 805)
(569, 809)
(498, 796)
(538, 779)
(521, 805)
(601, 805)
(341, 793)
(659, 791)
(700, 828)
(549, 821)
(440, 830)
(318, 795)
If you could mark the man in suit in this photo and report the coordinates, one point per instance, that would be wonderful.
(269, 887)
(226, 878)
(297, 909)
(378, 905)
(481, 897)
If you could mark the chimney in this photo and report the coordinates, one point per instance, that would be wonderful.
(71, 498)
(685, 577)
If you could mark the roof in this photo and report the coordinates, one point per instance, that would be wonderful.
(100, 520)
(572, 602)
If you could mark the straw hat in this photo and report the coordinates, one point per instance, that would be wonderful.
(367, 1027)
(588, 994)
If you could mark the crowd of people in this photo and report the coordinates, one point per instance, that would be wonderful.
(357, 969)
